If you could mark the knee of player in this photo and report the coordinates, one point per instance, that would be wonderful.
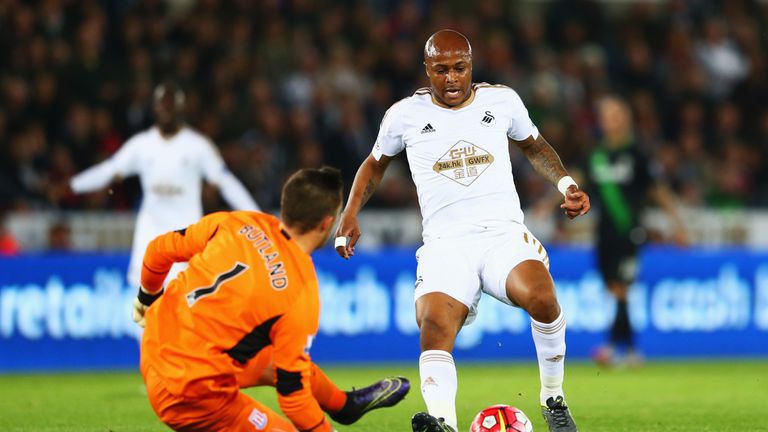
(438, 326)
(541, 302)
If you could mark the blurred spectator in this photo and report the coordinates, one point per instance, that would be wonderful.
(693, 169)
(59, 237)
(720, 57)
(8, 244)
(26, 173)
(350, 141)
(761, 197)
(734, 178)
(76, 79)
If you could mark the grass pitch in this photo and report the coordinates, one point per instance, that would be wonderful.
(669, 396)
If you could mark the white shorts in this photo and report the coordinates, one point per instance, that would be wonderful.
(465, 267)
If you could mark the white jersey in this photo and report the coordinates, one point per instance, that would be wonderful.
(459, 158)
(171, 172)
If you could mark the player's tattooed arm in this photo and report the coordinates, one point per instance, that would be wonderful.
(543, 158)
(370, 188)
(367, 178)
(366, 181)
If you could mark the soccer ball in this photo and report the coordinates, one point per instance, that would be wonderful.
(501, 418)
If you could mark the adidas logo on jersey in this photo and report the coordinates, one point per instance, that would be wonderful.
(428, 128)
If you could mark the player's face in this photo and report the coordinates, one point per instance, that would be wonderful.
(614, 119)
(450, 76)
(166, 110)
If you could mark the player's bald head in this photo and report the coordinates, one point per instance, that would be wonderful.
(448, 64)
(447, 43)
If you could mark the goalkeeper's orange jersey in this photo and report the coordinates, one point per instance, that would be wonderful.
(248, 285)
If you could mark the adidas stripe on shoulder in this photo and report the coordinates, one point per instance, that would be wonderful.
(478, 86)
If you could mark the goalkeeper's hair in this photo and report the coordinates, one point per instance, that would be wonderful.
(309, 196)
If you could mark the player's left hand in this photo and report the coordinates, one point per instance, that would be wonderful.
(576, 202)
(139, 310)
(141, 303)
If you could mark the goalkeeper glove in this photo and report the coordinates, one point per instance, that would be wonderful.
(141, 303)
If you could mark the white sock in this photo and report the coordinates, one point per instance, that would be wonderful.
(550, 350)
(439, 384)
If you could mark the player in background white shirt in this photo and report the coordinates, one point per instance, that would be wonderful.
(457, 138)
(171, 160)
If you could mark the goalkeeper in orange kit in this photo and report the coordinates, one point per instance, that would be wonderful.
(244, 313)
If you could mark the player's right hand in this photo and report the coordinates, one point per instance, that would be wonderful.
(576, 202)
(348, 229)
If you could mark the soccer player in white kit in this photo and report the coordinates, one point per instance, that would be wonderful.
(456, 136)
(171, 160)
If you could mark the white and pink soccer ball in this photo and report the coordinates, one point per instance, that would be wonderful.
(501, 418)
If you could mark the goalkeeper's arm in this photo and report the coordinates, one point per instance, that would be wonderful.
(163, 251)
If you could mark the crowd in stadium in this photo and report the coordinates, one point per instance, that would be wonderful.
(280, 85)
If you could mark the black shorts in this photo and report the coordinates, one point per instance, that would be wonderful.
(617, 260)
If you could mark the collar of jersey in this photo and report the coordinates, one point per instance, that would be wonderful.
(172, 137)
(464, 104)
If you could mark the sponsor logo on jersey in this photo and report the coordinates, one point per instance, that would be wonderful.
(166, 189)
(463, 163)
(620, 171)
(258, 419)
(488, 119)
(428, 128)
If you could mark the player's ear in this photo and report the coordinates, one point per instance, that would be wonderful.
(327, 223)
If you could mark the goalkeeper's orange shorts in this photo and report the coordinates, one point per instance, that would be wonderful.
(220, 407)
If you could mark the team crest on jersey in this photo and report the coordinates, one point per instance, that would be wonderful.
(258, 419)
(463, 163)
(488, 119)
